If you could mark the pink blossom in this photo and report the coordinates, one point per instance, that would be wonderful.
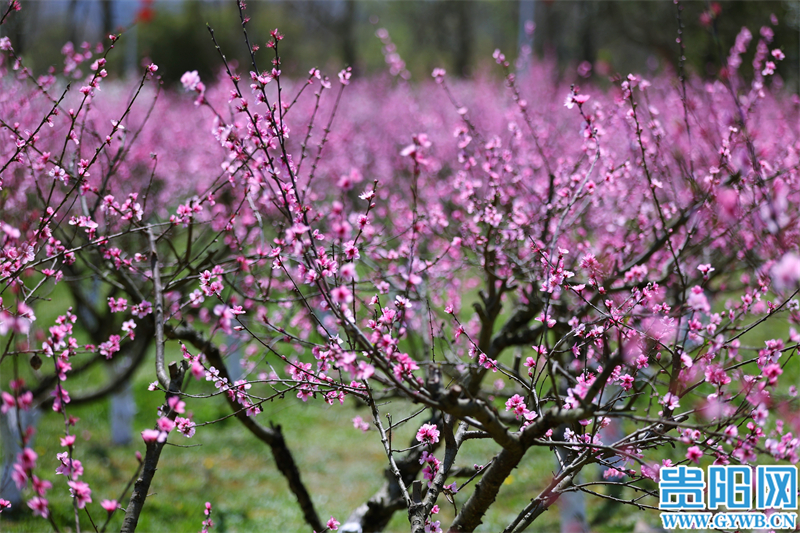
(197, 370)
(348, 272)
(574, 98)
(165, 425)
(128, 326)
(361, 424)
(786, 273)
(17, 324)
(142, 309)
(626, 382)
(61, 396)
(27, 459)
(151, 435)
(25, 400)
(209, 285)
(771, 372)
(189, 80)
(342, 295)
(8, 402)
(670, 401)
(433, 526)
(351, 251)
(333, 524)
(109, 505)
(110, 347)
(432, 466)
(694, 454)
(516, 404)
(81, 492)
(651, 471)
(365, 370)
(706, 269)
(40, 486)
(207, 523)
(39, 506)
(176, 404)
(118, 305)
(697, 300)
(185, 426)
(69, 467)
(428, 434)
(20, 476)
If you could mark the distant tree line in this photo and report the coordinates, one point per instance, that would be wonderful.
(611, 36)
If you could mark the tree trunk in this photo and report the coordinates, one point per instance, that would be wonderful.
(527, 10)
(464, 44)
(107, 7)
(348, 33)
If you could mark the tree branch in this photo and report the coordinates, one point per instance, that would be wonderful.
(142, 486)
(271, 436)
(161, 372)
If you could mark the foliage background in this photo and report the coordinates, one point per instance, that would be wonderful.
(617, 36)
